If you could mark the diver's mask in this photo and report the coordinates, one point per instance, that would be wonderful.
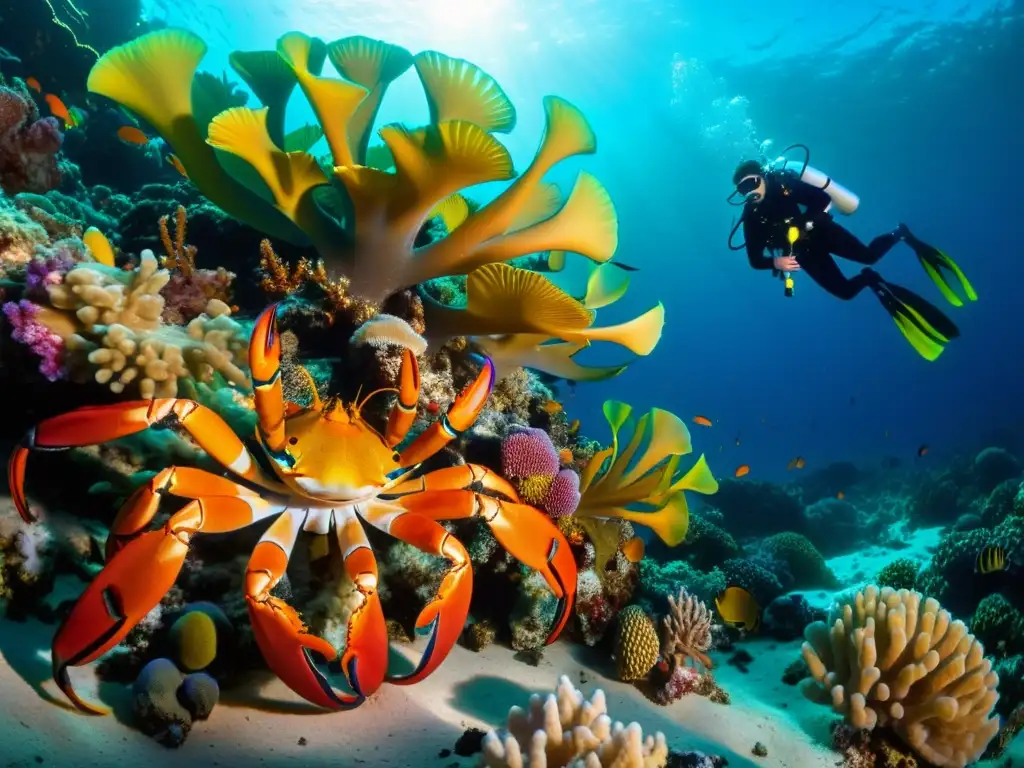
(752, 188)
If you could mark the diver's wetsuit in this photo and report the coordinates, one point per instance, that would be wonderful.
(790, 202)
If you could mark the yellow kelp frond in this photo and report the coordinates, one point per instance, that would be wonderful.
(439, 160)
(540, 353)
(640, 335)
(272, 80)
(522, 300)
(639, 484)
(301, 139)
(211, 95)
(606, 285)
(586, 224)
(566, 133)
(542, 204)
(556, 261)
(334, 101)
(458, 90)
(289, 176)
(453, 211)
(373, 65)
(152, 76)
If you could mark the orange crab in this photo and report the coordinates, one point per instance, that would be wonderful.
(331, 470)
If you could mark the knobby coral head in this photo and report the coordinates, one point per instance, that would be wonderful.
(364, 220)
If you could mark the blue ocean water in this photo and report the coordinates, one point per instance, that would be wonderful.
(915, 106)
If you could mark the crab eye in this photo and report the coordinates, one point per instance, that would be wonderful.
(396, 456)
(293, 440)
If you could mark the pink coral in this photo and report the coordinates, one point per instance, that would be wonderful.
(680, 681)
(527, 452)
(28, 145)
(564, 495)
(36, 336)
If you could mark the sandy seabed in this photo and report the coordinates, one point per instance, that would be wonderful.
(265, 724)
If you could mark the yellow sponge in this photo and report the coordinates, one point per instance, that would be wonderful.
(194, 640)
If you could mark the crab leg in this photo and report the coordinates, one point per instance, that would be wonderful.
(403, 414)
(460, 417)
(444, 617)
(365, 658)
(140, 574)
(525, 532)
(141, 507)
(93, 425)
(279, 631)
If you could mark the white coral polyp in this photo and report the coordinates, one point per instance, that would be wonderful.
(894, 659)
(564, 730)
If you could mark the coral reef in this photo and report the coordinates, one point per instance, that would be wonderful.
(28, 145)
(803, 560)
(895, 659)
(565, 729)
(109, 325)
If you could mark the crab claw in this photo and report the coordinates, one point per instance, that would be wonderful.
(444, 617)
(365, 659)
(128, 588)
(16, 482)
(281, 635)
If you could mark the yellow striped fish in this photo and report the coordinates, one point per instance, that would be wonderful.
(991, 559)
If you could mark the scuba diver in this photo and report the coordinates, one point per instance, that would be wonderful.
(786, 212)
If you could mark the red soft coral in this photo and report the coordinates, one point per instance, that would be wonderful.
(28, 145)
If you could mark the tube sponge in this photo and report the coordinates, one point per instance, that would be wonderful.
(894, 659)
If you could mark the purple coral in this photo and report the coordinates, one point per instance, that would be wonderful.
(47, 270)
(36, 336)
(527, 452)
(564, 495)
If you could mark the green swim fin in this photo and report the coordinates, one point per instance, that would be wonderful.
(920, 321)
(934, 262)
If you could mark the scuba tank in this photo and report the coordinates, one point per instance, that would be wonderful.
(843, 199)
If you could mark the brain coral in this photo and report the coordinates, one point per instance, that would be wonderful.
(563, 496)
(896, 659)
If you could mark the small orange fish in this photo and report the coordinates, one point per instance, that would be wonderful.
(840, 495)
(704, 421)
(922, 450)
(742, 469)
(565, 456)
(58, 109)
(32, 83)
(800, 462)
(551, 407)
(634, 549)
(574, 427)
(132, 135)
(176, 164)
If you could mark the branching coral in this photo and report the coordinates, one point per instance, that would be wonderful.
(895, 659)
(564, 730)
(686, 630)
(372, 242)
(643, 487)
(279, 280)
(110, 323)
